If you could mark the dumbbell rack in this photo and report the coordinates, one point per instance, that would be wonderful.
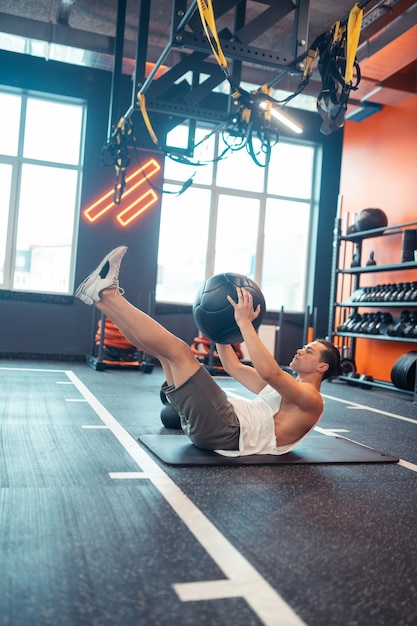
(340, 309)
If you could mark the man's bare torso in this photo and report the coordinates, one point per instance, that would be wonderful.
(292, 423)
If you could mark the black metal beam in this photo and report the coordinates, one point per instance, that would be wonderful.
(238, 47)
(185, 99)
(275, 12)
(240, 52)
(114, 111)
(142, 46)
(181, 109)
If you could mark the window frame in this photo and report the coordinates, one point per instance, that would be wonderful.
(216, 191)
(17, 162)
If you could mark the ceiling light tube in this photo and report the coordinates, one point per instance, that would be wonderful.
(281, 117)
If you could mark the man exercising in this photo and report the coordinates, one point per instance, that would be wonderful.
(284, 409)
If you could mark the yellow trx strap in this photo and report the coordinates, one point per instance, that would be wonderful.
(353, 34)
(265, 88)
(142, 106)
(311, 57)
(209, 25)
(337, 31)
(245, 115)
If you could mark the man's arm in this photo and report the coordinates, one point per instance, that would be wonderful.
(302, 395)
(245, 374)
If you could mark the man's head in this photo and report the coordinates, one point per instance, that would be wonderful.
(331, 356)
(319, 356)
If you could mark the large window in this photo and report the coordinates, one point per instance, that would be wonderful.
(40, 170)
(239, 217)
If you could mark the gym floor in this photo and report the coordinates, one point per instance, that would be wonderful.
(95, 530)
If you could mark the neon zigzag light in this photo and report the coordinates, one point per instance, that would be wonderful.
(135, 208)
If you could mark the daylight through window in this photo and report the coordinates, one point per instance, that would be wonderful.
(238, 217)
(40, 169)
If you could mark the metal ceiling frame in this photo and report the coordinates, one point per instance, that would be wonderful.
(173, 94)
(187, 89)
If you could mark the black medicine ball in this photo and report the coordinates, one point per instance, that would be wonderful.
(371, 218)
(214, 315)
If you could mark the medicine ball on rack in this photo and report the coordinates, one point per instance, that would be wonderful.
(213, 313)
(368, 219)
(403, 373)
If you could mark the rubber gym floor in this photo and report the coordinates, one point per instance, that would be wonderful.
(95, 530)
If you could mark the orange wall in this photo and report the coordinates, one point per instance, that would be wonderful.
(379, 170)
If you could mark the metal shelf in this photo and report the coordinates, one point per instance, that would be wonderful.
(338, 274)
(370, 269)
(378, 337)
(378, 232)
(381, 384)
(384, 305)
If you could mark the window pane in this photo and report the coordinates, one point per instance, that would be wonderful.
(53, 131)
(183, 245)
(238, 171)
(204, 152)
(279, 249)
(285, 254)
(237, 233)
(10, 112)
(291, 170)
(6, 181)
(48, 198)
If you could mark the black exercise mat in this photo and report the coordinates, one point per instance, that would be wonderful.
(315, 448)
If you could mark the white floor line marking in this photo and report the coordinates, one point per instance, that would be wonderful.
(333, 433)
(408, 465)
(364, 407)
(64, 382)
(32, 369)
(127, 475)
(330, 431)
(247, 582)
(75, 400)
(208, 590)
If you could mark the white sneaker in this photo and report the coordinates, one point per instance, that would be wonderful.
(106, 275)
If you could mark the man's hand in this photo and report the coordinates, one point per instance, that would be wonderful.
(243, 308)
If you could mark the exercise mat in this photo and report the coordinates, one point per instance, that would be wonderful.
(315, 448)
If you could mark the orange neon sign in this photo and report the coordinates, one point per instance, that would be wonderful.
(139, 204)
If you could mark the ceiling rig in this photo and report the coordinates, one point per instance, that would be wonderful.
(194, 88)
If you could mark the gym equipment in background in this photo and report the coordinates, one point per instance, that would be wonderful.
(403, 373)
(206, 353)
(368, 219)
(111, 349)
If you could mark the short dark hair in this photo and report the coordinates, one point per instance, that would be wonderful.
(331, 356)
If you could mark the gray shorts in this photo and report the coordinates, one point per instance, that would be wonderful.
(207, 417)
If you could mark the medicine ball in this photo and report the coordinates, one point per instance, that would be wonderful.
(170, 417)
(213, 313)
(369, 219)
